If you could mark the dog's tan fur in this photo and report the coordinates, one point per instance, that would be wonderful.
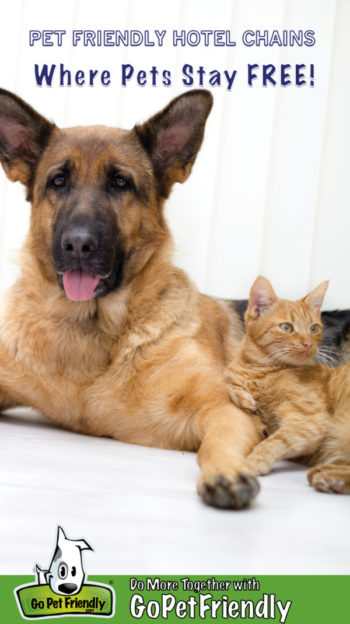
(143, 364)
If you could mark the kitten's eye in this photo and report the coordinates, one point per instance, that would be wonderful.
(118, 181)
(286, 327)
(315, 329)
(59, 181)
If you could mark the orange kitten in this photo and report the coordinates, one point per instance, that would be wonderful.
(304, 404)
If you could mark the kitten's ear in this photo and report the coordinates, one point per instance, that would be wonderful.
(261, 297)
(316, 296)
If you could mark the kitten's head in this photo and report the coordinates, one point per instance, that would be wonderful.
(285, 332)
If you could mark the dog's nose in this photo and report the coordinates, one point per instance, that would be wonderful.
(79, 242)
(68, 588)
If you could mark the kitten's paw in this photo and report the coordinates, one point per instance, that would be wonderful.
(329, 479)
(242, 398)
(259, 465)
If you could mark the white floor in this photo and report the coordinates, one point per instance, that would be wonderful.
(139, 510)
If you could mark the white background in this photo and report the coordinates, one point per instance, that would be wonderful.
(269, 192)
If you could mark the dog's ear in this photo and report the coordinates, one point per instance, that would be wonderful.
(23, 136)
(61, 537)
(82, 544)
(173, 137)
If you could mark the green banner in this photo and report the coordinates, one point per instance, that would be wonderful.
(130, 599)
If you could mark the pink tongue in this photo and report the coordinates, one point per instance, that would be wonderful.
(79, 285)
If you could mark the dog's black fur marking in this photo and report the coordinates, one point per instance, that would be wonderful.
(240, 305)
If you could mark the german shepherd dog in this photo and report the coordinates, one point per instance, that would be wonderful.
(101, 333)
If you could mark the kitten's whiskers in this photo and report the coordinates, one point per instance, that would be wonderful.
(325, 356)
(277, 356)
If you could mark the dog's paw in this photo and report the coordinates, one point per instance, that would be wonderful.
(242, 398)
(328, 479)
(229, 493)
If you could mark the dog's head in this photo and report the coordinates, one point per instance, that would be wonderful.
(66, 574)
(97, 192)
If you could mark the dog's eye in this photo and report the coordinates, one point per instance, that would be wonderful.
(62, 570)
(74, 571)
(59, 181)
(118, 181)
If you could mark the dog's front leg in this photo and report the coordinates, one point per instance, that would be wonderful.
(12, 382)
(227, 436)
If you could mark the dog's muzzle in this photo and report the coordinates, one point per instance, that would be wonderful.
(87, 257)
(79, 245)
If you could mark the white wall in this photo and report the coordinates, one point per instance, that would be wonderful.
(269, 192)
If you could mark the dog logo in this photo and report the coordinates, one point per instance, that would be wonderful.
(65, 574)
(61, 590)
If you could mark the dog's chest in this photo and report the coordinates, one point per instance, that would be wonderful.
(59, 349)
(52, 363)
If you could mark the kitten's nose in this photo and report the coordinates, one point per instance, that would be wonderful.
(307, 345)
